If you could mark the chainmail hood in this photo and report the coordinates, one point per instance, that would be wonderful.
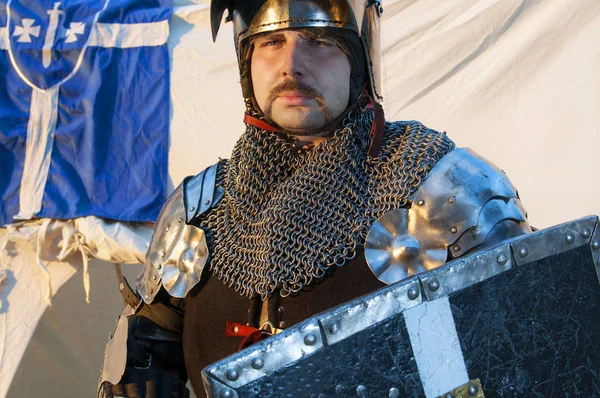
(288, 215)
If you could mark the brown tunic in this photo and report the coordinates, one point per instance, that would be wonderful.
(211, 304)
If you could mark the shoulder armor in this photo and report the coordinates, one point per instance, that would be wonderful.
(465, 203)
(178, 250)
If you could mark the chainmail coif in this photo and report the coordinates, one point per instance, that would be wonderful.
(289, 215)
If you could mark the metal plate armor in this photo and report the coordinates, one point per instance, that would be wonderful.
(178, 250)
(465, 203)
(516, 319)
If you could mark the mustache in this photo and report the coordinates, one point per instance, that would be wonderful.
(299, 87)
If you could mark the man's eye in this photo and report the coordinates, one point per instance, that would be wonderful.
(271, 43)
(319, 42)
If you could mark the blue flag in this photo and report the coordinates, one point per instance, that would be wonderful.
(84, 109)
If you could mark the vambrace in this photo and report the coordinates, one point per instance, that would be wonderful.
(144, 354)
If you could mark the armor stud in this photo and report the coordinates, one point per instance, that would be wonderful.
(227, 394)
(586, 233)
(413, 293)
(335, 327)
(258, 363)
(523, 252)
(232, 374)
(570, 238)
(310, 339)
(596, 244)
(361, 390)
(502, 259)
(394, 393)
(434, 284)
(472, 390)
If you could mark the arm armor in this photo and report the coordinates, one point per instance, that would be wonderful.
(144, 356)
(465, 204)
(469, 204)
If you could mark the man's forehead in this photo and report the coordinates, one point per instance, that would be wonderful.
(302, 32)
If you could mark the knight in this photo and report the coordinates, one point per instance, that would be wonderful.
(321, 201)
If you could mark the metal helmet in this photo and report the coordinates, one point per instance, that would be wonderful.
(251, 17)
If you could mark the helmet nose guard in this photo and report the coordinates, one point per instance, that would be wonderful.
(251, 17)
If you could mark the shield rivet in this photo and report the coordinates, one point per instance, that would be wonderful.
(147, 297)
(472, 390)
(421, 202)
(502, 259)
(167, 228)
(596, 244)
(207, 202)
(310, 339)
(453, 230)
(456, 248)
(361, 390)
(394, 393)
(180, 220)
(451, 199)
(434, 284)
(161, 253)
(121, 286)
(153, 277)
(413, 293)
(227, 394)
(450, 395)
(232, 374)
(258, 363)
(586, 233)
(335, 327)
(523, 252)
(192, 209)
(158, 267)
(570, 238)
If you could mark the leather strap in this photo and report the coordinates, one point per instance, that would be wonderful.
(261, 124)
(164, 316)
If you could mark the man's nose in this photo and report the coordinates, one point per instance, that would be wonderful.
(294, 60)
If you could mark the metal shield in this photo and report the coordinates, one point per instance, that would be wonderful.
(518, 319)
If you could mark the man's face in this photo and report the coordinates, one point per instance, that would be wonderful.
(301, 82)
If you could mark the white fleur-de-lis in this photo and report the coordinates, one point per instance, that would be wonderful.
(27, 30)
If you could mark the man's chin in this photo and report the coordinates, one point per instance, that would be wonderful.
(301, 127)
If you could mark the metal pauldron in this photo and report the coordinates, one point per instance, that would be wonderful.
(465, 203)
(178, 251)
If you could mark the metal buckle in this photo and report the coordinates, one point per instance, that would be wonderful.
(269, 328)
(148, 362)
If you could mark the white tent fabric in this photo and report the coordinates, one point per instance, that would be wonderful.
(517, 81)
